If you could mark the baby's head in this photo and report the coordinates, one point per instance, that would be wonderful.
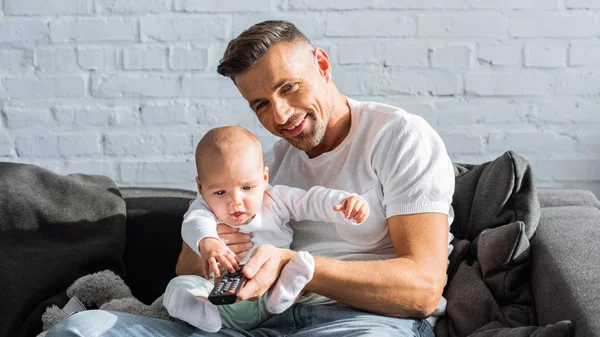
(232, 176)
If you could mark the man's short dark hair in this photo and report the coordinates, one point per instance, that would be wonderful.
(252, 44)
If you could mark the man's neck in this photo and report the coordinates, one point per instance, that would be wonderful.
(338, 127)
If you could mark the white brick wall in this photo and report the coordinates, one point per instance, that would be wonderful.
(126, 88)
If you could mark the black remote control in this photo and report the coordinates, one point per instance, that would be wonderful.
(226, 291)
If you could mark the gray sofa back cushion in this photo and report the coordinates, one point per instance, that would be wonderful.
(53, 230)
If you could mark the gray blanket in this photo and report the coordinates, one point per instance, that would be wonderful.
(489, 289)
(53, 230)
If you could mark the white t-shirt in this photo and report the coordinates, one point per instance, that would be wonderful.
(391, 158)
(270, 225)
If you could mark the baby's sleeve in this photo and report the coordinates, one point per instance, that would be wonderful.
(316, 204)
(198, 223)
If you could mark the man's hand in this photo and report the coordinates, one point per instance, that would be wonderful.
(354, 208)
(262, 270)
(239, 243)
(214, 252)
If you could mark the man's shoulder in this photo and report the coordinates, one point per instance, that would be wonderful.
(389, 120)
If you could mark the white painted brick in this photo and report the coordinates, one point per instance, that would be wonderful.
(462, 143)
(94, 116)
(164, 115)
(553, 25)
(515, 4)
(93, 29)
(578, 83)
(148, 85)
(87, 166)
(208, 86)
(23, 31)
(418, 82)
(7, 146)
(463, 25)
(229, 111)
(188, 58)
(360, 53)
(184, 28)
(405, 54)
(98, 58)
(497, 54)
(145, 58)
(153, 173)
(566, 111)
(39, 88)
(488, 111)
(223, 6)
(132, 6)
(79, 144)
(582, 4)
(567, 169)
(38, 146)
(508, 83)
(589, 143)
(451, 56)
(545, 54)
(47, 7)
(137, 145)
(3, 93)
(16, 62)
(584, 54)
(24, 117)
(404, 4)
(56, 60)
(447, 4)
(532, 142)
(332, 4)
(311, 25)
(366, 24)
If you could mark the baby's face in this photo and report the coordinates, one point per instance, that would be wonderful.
(234, 188)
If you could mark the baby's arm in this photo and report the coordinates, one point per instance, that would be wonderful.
(199, 231)
(321, 204)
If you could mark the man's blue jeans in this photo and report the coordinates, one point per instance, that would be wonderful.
(298, 321)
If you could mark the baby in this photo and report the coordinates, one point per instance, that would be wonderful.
(233, 189)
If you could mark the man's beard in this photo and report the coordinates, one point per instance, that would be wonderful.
(307, 140)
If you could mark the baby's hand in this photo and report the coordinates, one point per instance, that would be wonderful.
(213, 251)
(354, 208)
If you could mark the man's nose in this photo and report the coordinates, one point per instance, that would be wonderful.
(281, 111)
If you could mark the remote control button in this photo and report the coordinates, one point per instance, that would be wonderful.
(231, 291)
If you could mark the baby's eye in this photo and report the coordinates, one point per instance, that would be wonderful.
(247, 188)
(220, 192)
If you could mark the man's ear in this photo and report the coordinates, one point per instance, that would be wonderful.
(322, 60)
(266, 175)
(198, 183)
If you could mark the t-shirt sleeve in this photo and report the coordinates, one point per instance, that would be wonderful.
(316, 204)
(198, 223)
(415, 170)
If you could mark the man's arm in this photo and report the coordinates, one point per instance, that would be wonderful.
(407, 286)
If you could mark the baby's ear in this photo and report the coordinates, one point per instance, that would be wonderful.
(266, 175)
(198, 183)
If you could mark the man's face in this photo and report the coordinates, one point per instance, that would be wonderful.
(287, 89)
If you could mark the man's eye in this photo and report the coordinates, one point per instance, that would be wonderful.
(260, 105)
(288, 87)
(220, 192)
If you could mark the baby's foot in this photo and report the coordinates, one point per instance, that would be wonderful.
(197, 312)
(294, 277)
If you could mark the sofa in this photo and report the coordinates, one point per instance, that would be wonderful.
(138, 236)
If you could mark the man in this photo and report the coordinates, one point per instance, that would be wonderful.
(382, 278)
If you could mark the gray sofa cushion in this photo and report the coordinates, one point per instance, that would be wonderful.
(53, 230)
(489, 290)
